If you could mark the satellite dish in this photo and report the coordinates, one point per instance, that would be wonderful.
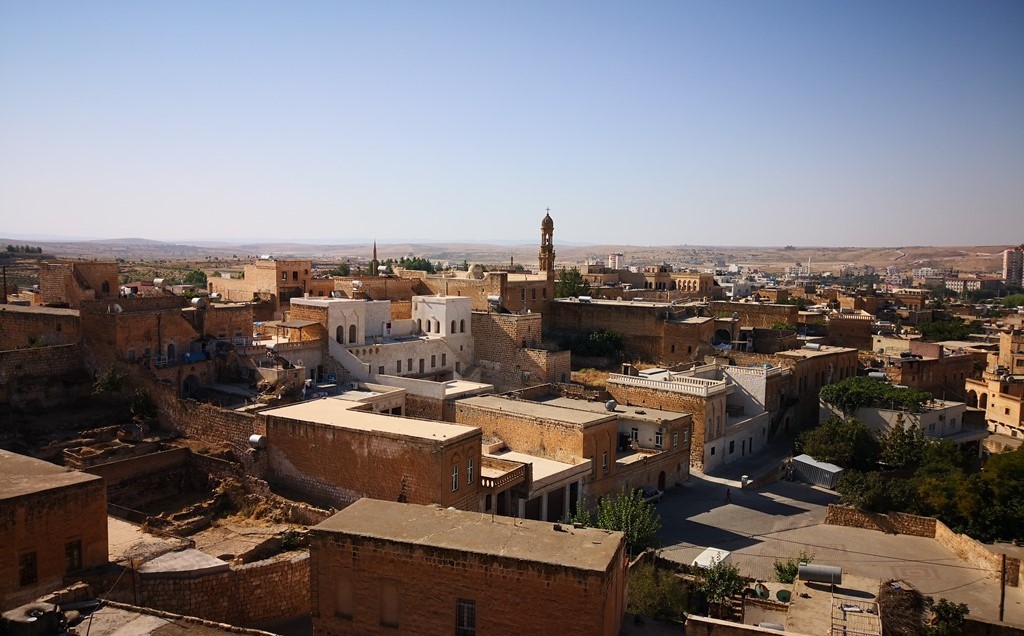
(611, 405)
(117, 308)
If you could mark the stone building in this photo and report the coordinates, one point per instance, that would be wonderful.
(577, 449)
(379, 566)
(511, 354)
(28, 326)
(68, 283)
(332, 451)
(274, 280)
(1000, 391)
(53, 524)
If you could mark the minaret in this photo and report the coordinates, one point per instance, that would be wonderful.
(547, 247)
(374, 262)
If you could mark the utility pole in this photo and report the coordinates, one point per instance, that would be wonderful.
(1002, 587)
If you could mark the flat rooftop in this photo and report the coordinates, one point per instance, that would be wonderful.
(37, 309)
(640, 413)
(21, 475)
(813, 353)
(542, 467)
(523, 539)
(337, 412)
(539, 409)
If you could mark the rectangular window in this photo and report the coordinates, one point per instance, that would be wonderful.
(522, 293)
(295, 275)
(72, 556)
(931, 427)
(544, 293)
(444, 359)
(398, 367)
(409, 362)
(659, 439)
(380, 369)
(455, 477)
(634, 434)
(732, 447)
(284, 275)
(433, 361)
(604, 460)
(469, 472)
(675, 439)
(389, 605)
(465, 617)
(27, 574)
(343, 596)
(533, 294)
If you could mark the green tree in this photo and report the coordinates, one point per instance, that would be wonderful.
(846, 442)
(571, 283)
(786, 571)
(853, 393)
(111, 382)
(719, 583)
(901, 446)
(947, 617)
(195, 277)
(343, 269)
(954, 329)
(656, 593)
(1014, 300)
(628, 513)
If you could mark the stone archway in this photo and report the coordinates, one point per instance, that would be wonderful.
(722, 336)
(972, 398)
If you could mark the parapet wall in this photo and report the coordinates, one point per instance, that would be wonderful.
(971, 550)
(271, 590)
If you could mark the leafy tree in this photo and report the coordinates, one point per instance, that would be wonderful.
(853, 393)
(627, 512)
(571, 283)
(875, 491)
(939, 330)
(786, 571)
(846, 442)
(947, 617)
(656, 593)
(343, 269)
(195, 277)
(1014, 300)
(783, 326)
(111, 382)
(598, 343)
(719, 583)
(141, 406)
(415, 263)
(901, 446)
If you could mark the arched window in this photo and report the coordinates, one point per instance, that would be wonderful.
(351, 333)
(171, 352)
(339, 334)
(419, 325)
(453, 326)
(462, 326)
(437, 326)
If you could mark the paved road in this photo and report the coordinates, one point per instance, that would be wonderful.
(780, 520)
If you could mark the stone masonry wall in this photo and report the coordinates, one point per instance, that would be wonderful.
(20, 329)
(271, 590)
(352, 574)
(962, 545)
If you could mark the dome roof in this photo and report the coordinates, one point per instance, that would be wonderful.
(547, 223)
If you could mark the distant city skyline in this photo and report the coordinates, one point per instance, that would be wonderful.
(663, 123)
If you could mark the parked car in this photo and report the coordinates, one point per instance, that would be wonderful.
(651, 495)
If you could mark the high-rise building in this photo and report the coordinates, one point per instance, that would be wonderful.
(615, 261)
(1013, 266)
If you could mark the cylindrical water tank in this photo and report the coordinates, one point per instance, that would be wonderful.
(878, 375)
(258, 441)
(817, 573)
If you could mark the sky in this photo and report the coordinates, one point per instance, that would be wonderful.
(641, 123)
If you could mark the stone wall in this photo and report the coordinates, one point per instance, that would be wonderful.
(207, 422)
(351, 576)
(43, 523)
(335, 466)
(705, 626)
(22, 327)
(271, 590)
(971, 550)
(43, 375)
(757, 315)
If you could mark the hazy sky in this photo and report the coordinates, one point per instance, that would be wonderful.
(755, 123)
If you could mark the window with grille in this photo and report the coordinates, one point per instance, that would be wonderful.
(465, 617)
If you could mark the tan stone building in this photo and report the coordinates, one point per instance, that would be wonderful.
(71, 282)
(333, 451)
(274, 280)
(1000, 391)
(53, 524)
(384, 567)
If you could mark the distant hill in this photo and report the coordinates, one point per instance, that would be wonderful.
(964, 258)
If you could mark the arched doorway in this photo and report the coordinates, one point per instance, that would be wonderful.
(722, 336)
(172, 352)
(661, 481)
(972, 398)
(983, 401)
(339, 334)
(351, 334)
